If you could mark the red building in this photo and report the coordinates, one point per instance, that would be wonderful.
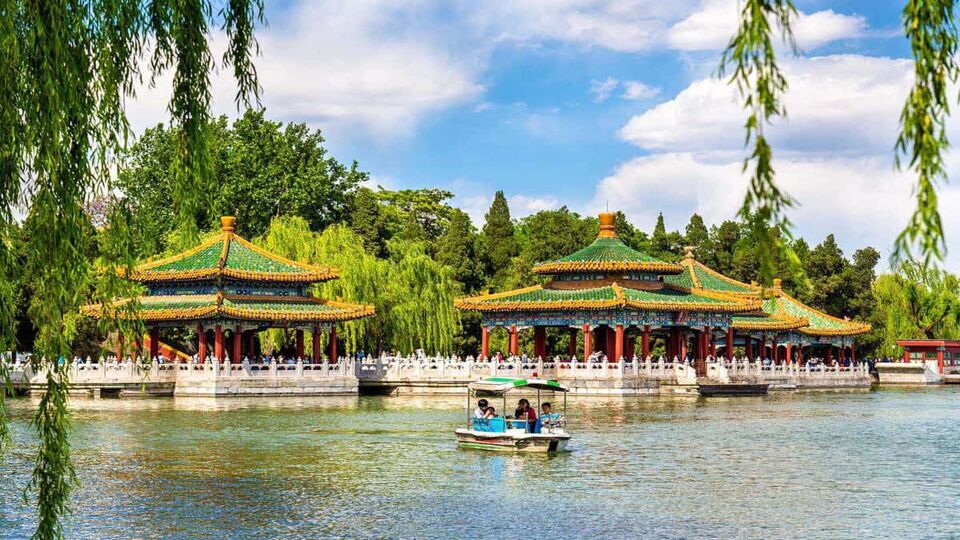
(945, 351)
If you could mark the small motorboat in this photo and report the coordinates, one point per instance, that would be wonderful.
(547, 434)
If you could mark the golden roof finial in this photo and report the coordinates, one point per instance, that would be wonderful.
(777, 283)
(607, 227)
(688, 252)
(227, 223)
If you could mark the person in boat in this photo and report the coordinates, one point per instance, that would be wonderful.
(526, 412)
(481, 410)
(490, 413)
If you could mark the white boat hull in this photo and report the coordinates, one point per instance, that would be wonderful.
(513, 442)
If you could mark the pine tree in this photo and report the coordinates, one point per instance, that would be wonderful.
(366, 220)
(457, 248)
(498, 235)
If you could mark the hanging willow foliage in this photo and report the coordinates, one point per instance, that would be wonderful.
(920, 146)
(752, 58)
(66, 69)
(411, 293)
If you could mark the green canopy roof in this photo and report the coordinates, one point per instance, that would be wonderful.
(502, 385)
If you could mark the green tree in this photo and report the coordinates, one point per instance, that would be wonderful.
(917, 302)
(696, 234)
(664, 245)
(550, 234)
(263, 169)
(367, 220)
(457, 248)
(498, 235)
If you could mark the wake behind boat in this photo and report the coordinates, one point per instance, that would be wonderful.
(537, 430)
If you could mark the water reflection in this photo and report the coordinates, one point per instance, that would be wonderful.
(822, 465)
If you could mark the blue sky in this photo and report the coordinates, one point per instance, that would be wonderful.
(586, 103)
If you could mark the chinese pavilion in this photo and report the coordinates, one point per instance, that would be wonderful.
(785, 328)
(613, 295)
(226, 285)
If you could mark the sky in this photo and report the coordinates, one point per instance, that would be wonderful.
(592, 104)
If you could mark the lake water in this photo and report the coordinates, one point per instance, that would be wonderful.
(816, 465)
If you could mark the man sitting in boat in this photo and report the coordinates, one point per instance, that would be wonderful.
(481, 410)
(526, 412)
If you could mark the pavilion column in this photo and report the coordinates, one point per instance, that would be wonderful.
(218, 343)
(572, 346)
(484, 342)
(683, 345)
(706, 348)
(237, 345)
(119, 346)
(587, 345)
(299, 343)
(514, 340)
(154, 343)
(763, 346)
(610, 344)
(789, 354)
(317, 351)
(730, 337)
(333, 344)
(618, 343)
(202, 347)
(540, 341)
(135, 350)
(853, 352)
(645, 341)
(774, 349)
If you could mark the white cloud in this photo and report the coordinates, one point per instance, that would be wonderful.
(347, 66)
(475, 200)
(841, 103)
(601, 90)
(833, 154)
(716, 21)
(638, 90)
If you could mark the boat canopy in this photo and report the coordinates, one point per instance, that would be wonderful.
(502, 385)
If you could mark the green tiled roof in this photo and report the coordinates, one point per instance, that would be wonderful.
(228, 255)
(614, 296)
(607, 254)
(818, 322)
(698, 276)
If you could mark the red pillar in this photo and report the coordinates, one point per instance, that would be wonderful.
(789, 354)
(572, 346)
(237, 345)
(763, 346)
(484, 342)
(645, 341)
(299, 343)
(775, 349)
(540, 341)
(202, 348)
(940, 361)
(154, 343)
(317, 352)
(587, 345)
(683, 344)
(730, 339)
(333, 344)
(218, 343)
(514, 340)
(853, 352)
(119, 346)
(618, 343)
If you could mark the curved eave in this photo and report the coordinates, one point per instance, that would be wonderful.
(490, 303)
(216, 309)
(692, 265)
(844, 328)
(576, 267)
(168, 276)
(767, 324)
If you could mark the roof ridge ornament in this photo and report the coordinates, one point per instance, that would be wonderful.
(608, 228)
(688, 252)
(228, 223)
